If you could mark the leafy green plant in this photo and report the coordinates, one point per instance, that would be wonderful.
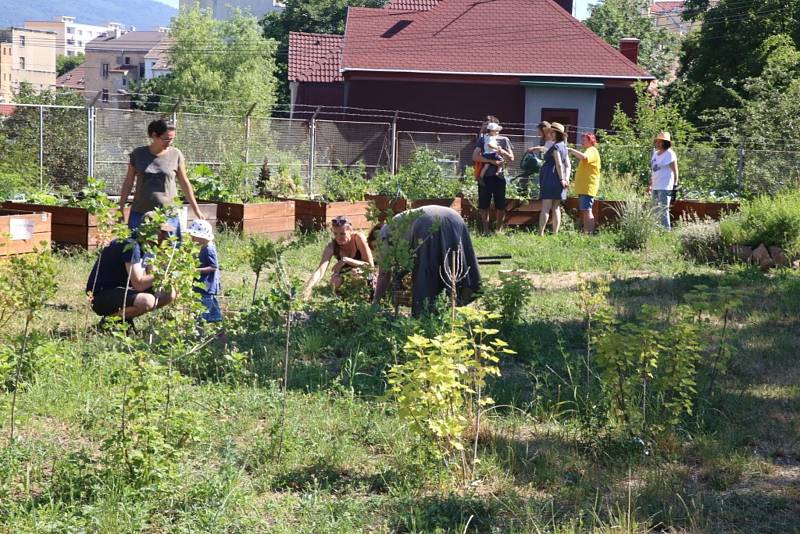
(768, 220)
(443, 379)
(208, 185)
(648, 367)
(27, 283)
(636, 225)
(508, 298)
(345, 183)
(423, 177)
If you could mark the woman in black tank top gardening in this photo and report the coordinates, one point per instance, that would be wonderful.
(351, 251)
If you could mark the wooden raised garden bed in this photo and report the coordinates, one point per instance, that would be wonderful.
(76, 227)
(271, 219)
(458, 203)
(70, 226)
(21, 232)
(313, 215)
(701, 209)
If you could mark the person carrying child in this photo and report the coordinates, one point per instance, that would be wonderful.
(202, 233)
(492, 181)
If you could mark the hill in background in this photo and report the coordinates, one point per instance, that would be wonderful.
(143, 14)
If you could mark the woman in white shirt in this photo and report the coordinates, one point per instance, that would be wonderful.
(663, 176)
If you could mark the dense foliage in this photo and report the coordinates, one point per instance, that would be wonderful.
(614, 19)
(767, 220)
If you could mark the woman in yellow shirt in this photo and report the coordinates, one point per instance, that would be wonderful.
(587, 179)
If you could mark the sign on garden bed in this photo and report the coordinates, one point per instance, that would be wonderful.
(22, 232)
(271, 219)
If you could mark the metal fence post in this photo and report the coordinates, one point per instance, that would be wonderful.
(90, 127)
(41, 147)
(247, 134)
(740, 167)
(393, 145)
(312, 144)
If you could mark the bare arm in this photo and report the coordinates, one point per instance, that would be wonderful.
(674, 167)
(560, 169)
(384, 277)
(317, 275)
(577, 153)
(477, 157)
(140, 280)
(127, 186)
(186, 186)
(508, 153)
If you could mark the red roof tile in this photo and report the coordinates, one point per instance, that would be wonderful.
(74, 79)
(411, 5)
(315, 57)
(530, 37)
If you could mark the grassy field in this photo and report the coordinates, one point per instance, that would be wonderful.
(346, 462)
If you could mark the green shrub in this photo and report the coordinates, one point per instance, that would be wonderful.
(701, 240)
(424, 177)
(767, 220)
(637, 224)
(348, 184)
(618, 186)
(509, 297)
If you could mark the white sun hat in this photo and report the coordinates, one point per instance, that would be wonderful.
(201, 229)
(493, 127)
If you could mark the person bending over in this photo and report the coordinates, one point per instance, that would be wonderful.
(119, 284)
(351, 250)
(433, 233)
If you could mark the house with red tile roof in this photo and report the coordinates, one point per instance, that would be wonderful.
(74, 79)
(521, 60)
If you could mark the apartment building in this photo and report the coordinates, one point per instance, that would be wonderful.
(26, 55)
(224, 9)
(113, 64)
(71, 36)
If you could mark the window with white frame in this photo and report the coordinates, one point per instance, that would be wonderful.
(22, 63)
(21, 40)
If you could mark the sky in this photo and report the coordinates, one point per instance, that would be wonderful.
(581, 6)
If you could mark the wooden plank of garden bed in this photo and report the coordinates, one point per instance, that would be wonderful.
(40, 236)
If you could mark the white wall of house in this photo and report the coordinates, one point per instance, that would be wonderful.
(223, 9)
(539, 98)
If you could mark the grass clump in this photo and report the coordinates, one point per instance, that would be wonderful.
(637, 225)
(701, 240)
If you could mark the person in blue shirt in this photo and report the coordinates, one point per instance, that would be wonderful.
(120, 284)
(203, 234)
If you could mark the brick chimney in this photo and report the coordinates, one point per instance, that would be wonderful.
(629, 47)
(566, 4)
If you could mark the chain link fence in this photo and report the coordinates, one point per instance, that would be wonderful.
(55, 146)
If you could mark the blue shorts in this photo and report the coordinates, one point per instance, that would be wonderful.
(585, 202)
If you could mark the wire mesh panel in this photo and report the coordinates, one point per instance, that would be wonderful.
(211, 139)
(769, 171)
(350, 143)
(19, 148)
(456, 149)
(117, 132)
(280, 143)
(64, 147)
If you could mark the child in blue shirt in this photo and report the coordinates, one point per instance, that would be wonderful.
(203, 234)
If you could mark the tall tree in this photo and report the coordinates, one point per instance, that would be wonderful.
(227, 62)
(315, 16)
(717, 61)
(614, 19)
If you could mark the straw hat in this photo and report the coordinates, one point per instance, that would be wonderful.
(664, 136)
(557, 126)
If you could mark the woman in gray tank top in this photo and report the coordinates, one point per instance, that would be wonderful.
(156, 170)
